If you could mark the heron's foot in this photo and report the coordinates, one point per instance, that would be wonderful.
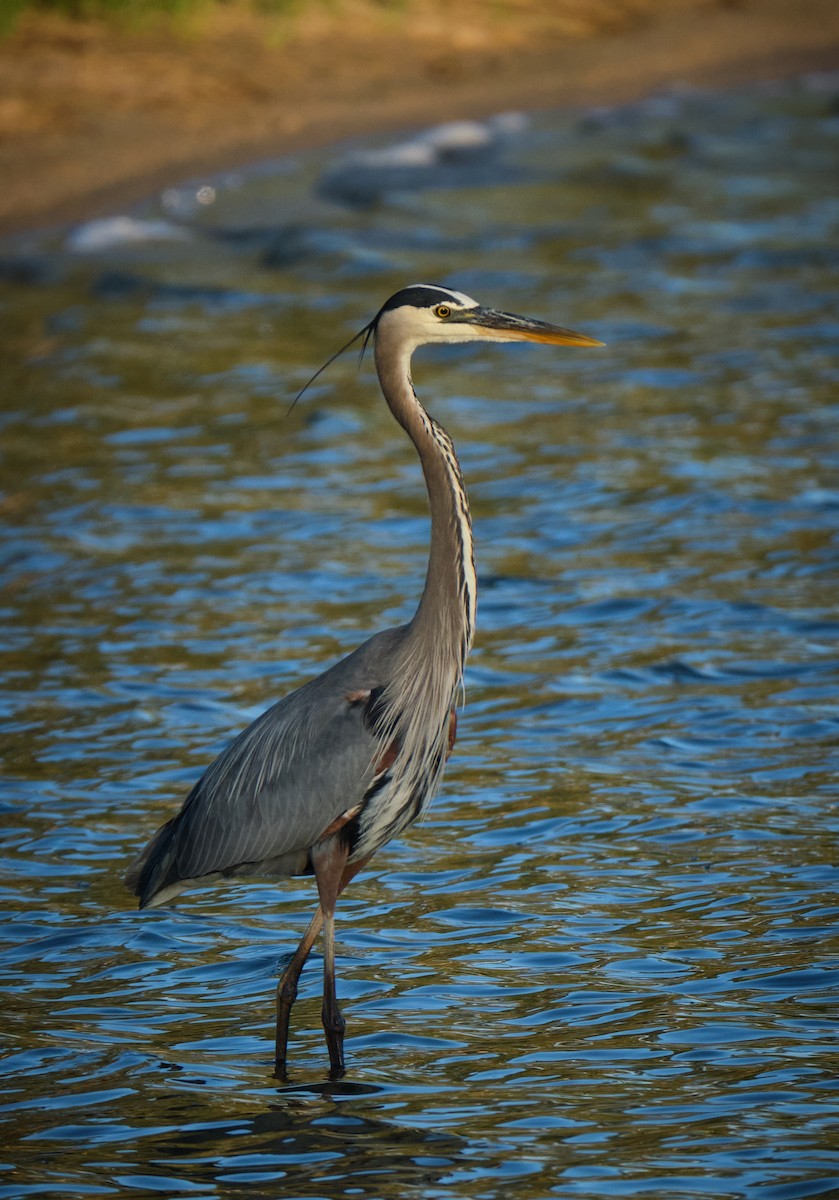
(281, 1054)
(333, 1028)
(285, 998)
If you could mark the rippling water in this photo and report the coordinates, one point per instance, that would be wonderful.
(605, 964)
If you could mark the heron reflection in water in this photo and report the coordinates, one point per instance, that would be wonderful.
(343, 764)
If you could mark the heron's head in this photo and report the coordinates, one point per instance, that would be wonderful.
(426, 312)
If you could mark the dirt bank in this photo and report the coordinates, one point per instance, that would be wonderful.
(92, 117)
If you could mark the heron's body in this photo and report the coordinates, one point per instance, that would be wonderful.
(344, 763)
(320, 745)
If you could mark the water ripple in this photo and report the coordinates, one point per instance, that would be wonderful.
(604, 964)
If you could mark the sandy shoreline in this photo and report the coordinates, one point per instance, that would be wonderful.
(92, 120)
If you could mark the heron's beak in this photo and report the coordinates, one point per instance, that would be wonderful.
(507, 327)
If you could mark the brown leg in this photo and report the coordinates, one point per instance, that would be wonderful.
(287, 989)
(327, 861)
(333, 1019)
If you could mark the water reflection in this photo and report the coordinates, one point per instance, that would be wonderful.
(603, 965)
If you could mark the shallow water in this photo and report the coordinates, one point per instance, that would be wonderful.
(605, 964)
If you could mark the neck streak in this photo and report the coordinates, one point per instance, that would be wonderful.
(445, 618)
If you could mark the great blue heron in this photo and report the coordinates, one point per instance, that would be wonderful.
(344, 763)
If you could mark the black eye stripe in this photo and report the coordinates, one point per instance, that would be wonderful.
(419, 297)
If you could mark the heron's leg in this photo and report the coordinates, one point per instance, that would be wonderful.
(351, 870)
(287, 988)
(333, 1019)
(329, 859)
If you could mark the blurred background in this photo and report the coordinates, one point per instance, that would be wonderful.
(103, 102)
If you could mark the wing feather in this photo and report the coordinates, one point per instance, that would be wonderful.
(278, 786)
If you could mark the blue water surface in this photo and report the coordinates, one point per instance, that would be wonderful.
(605, 964)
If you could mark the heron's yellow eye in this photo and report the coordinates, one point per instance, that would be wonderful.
(442, 311)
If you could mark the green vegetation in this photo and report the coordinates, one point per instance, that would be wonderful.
(130, 12)
(10, 10)
(131, 9)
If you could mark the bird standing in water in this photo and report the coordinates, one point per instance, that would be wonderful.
(344, 763)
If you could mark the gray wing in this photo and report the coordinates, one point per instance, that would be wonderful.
(274, 791)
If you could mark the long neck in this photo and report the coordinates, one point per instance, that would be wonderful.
(445, 618)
